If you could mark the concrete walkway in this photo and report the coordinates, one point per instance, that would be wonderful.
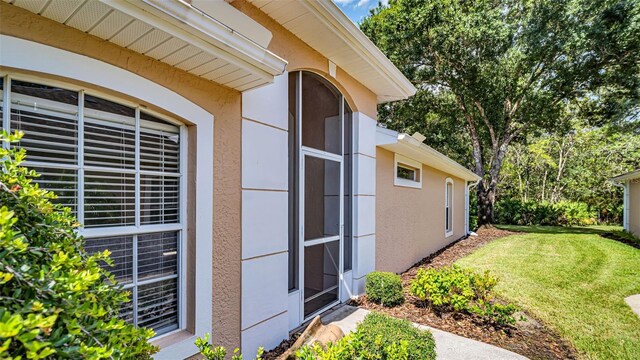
(448, 346)
(634, 303)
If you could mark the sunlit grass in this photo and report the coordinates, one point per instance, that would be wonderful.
(573, 280)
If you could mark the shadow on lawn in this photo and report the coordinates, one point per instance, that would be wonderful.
(539, 229)
(608, 232)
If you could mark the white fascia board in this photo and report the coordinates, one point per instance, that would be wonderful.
(628, 176)
(412, 148)
(235, 19)
(189, 24)
(385, 136)
(347, 31)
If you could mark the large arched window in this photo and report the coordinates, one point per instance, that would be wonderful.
(119, 168)
(320, 188)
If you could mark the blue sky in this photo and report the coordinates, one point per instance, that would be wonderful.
(357, 9)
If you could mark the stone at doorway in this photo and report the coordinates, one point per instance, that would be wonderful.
(316, 332)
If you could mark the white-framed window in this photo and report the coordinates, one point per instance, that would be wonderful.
(119, 167)
(448, 208)
(407, 172)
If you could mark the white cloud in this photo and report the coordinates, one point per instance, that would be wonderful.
(343, 2)
(385, 2)
(361, 3)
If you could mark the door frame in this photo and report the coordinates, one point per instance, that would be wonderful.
(302, 153)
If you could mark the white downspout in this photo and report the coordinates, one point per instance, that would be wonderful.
(466, 205)
(625, 203)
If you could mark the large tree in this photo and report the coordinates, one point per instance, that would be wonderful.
(500, 69)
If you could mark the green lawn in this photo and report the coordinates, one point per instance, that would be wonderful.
(573, 280)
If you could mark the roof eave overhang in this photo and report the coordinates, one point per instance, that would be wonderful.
(412, 148)
(344, 28)
(626, 177)
(195, 27)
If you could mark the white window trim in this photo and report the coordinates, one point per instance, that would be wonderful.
(449, 232)
(400, 160)
(27, 55)
(113, 231)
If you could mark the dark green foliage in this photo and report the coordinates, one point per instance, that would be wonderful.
(489, 73)
(563, 213)
(573, 165)
(377, 337)
(457, 289)
(384, 288)
(55, 300)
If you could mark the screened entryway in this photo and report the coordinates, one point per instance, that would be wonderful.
(320, 191)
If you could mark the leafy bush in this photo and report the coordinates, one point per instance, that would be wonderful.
(563, 213)
(55, 299)
(219, 352)
(384, 288)
(378, 337)
(458, 289)
(473, 211)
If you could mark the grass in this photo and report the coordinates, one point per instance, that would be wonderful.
(538, 229)
(572, 279)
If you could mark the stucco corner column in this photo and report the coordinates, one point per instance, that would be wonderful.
(264, 299)
(364, 200)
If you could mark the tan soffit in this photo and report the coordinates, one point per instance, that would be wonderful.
(170, 31)
(324, 27)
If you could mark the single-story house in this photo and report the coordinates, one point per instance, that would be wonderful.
(422, 200)
(631, 198)
(224, 152)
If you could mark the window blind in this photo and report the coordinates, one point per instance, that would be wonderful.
(117, 167)
(109, 199)
(109, 134)
(49, 118)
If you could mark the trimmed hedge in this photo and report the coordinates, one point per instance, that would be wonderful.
(384, 288)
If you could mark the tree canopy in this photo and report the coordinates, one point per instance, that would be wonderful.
(496, 71)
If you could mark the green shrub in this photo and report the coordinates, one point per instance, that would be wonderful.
(384, 288)
(55, 299)
(458, 289)
(219, 352)
(574, 214)
(562, 213)
(378, 337)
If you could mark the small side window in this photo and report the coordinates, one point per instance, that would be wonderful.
(407, 172)
(448, 208)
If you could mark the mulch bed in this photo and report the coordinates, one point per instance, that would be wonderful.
(528, 337)
(280, 349)
(616, 237)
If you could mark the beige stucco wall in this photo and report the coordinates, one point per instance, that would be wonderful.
(222, 102)
(225, 105)
(410, 222)
(634, 207)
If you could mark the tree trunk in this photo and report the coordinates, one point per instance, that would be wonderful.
(544, 185)
(487, 188)
(486, 200)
